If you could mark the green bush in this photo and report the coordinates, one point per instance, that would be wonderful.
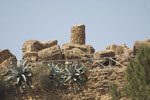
(138, 75)
(114, 91)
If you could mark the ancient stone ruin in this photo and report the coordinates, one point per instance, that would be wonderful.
(99, 77)
(78, 34)
(34, 50)
(77, 48)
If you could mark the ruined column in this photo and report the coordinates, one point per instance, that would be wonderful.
(78, 34)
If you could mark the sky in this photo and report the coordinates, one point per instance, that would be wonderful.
(107, 22)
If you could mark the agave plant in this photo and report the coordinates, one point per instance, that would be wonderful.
(76, 76)
(19, 74)
(57, 74)
(73, 75)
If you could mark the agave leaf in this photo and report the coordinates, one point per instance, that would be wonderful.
(29, 74)
(19, 70)
(52, 70)
(68, 78)
(24, 77)
(24, 62)
(18, 79)
(9, 78)
(26, 68)
(77, 74)
(66, 69)
(11, 70)
(74, 79)
(70, 68)
(49, 66)
(75, 66)
(57, 66)
(82, 72)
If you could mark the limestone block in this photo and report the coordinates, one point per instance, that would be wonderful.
(51, 53)
(78, 34)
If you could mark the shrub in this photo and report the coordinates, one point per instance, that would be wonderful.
(138, 75)
(114, 91)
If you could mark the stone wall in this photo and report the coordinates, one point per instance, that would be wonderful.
(120, 50)
(97, 87)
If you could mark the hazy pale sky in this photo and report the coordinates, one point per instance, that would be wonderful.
(107, 21)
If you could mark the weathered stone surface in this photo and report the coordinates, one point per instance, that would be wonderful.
(50, 43)
(6, 57)
(78, 34)
(90, 49)
(116, 48)
(100, 80)
(120, 50)
(74, 53)
(106, 53)
(31, 46)
(51, 53)
(122, 53)
(128, 52)
(86, 48)
(139, 44)
(30, 56)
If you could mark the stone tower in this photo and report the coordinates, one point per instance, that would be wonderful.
(78, 34)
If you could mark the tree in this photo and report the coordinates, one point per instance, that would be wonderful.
(115, 93)
(138, 75)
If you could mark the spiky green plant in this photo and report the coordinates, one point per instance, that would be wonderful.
(19, 74)
(74, 75)
(58, 74)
